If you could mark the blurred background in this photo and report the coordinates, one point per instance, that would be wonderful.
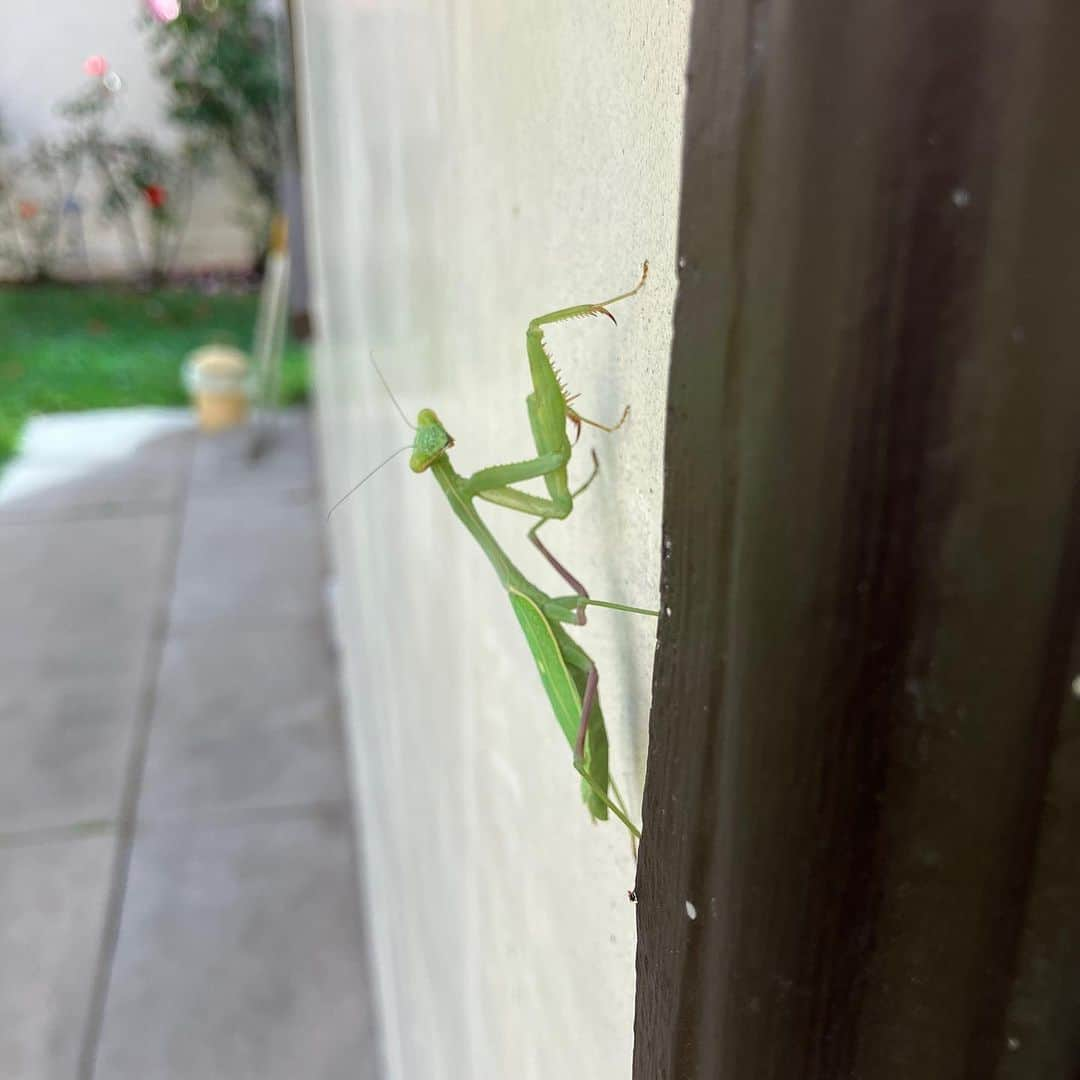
(178, 879)
(145, 174)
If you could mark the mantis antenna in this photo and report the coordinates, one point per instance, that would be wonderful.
(361, 483)
(386, 387)
(400, 450)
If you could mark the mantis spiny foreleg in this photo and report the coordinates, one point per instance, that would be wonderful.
(549, 409)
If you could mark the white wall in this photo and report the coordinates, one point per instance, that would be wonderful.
(471, 165)
(44, 46)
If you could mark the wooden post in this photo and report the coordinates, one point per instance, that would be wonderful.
(861, 854)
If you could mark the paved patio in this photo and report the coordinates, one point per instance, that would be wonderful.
(177, 883)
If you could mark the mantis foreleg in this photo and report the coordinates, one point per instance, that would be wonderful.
(494, 484)
(549, 409)
(539, 359)
(580, 310)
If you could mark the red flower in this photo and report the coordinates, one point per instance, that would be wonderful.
(155, 196)
(28, 209)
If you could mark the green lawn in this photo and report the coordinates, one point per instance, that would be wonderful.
(66, 348)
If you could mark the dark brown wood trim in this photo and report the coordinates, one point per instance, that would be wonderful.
(862, 809)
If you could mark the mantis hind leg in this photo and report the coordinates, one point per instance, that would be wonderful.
(591, 743)
(618, 811)
(572, 609)
(558, 566)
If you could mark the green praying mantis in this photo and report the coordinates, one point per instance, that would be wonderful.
(568, 674)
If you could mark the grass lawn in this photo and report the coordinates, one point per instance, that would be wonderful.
(65, 348)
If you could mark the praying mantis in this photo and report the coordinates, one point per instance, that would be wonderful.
(568, 674)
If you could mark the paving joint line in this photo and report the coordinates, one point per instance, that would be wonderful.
(127, 823)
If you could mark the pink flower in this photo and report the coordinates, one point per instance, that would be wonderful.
(164, 10)
(28, 209)
(95, 66)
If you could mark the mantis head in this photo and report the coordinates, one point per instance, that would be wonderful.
(431, 442)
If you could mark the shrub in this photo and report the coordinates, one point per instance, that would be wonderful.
(221, 62)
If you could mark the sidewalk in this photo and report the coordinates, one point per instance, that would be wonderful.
(177, 882)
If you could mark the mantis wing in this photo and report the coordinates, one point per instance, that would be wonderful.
(565, 697)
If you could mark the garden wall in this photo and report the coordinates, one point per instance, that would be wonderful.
(471, 166)
(45, 46)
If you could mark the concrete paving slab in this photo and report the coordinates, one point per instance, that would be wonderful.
(150, 481)
(247, 557)
(244, 718)
(64, 748)
(240, 956)
(52, 909)
(77, 654)
(223, 461)
(105, 461)
(238, 940)
(79, 594)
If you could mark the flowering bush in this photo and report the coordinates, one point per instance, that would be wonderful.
(222, 62)
(141, 187)
(30, 226)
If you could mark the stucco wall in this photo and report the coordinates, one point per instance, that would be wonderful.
(45, 46)
(470, 166)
